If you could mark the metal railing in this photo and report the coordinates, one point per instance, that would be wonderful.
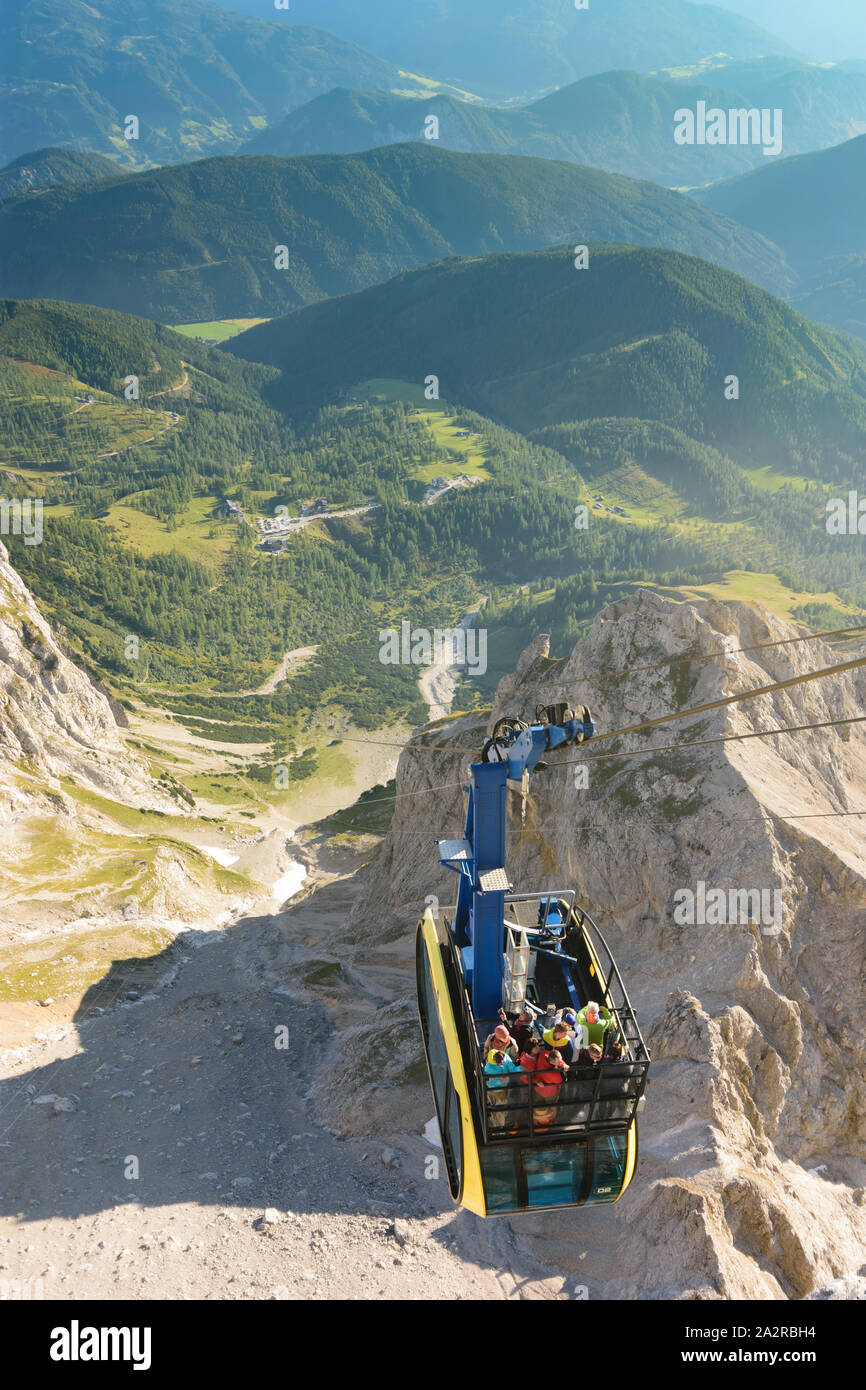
(598, 1097)
(613, 991)
(601, 1097)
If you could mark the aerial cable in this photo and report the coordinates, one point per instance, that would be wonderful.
(671, 827)
(730, 651)
(725, 700)
(631, 753)
(705, 742)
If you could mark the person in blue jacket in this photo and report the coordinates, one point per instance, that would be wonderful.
(498, 1069)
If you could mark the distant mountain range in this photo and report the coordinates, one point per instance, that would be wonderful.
(197, 241)
(814, 207)
(531, 341)
(51, 168)
(198, 77)
(620, 121)
(811, 205)
(504, 49)
(822, 31)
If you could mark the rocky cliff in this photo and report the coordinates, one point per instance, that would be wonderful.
(752, 1177)
(90, 838)
(54, 723)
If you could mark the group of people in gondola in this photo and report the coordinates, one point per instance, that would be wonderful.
(539, 1050)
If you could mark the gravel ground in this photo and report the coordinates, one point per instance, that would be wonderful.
(166, 1149)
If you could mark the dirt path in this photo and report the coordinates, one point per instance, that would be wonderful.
(178, 1124)
(438, 682)
(178, 386)
(291, 662)
(169, 424)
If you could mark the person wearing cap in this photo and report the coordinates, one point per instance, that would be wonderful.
(595, 1021)
(501, 1040)
(520, 1027)
(575, 1032)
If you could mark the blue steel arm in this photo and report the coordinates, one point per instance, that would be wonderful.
(479, 858)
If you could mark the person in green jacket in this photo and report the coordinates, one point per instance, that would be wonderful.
(595, 1021)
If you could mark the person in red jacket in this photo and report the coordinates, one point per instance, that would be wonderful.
(547, 1070)
(529, 1060)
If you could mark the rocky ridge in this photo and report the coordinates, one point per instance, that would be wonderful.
(54, 723)
(752, 1180)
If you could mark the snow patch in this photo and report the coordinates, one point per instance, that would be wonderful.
(288, 884)
(222, 856)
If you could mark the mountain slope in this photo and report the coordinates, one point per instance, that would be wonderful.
(95, 346)
(837, 295)
(808, 204)
(51, 714)
(48, 168)
(620, 121)
(501, 48)
(530, 340)
(814, 206)
(198, 77)
(197, 242)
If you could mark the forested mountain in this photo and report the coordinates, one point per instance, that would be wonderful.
(198, 241)
(837, 294)
(198, 77)
(811, 205)
(532, 341)
(49, 168)
(101, 347)
(814, 207)
(504, 48)
(621, 121)
(137, 540)
(116, 492)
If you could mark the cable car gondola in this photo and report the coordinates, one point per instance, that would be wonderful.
(501, 949)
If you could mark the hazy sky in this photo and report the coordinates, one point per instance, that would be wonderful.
(821, 29)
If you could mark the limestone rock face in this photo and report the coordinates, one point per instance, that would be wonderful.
(752, 1173)
(54, 723)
